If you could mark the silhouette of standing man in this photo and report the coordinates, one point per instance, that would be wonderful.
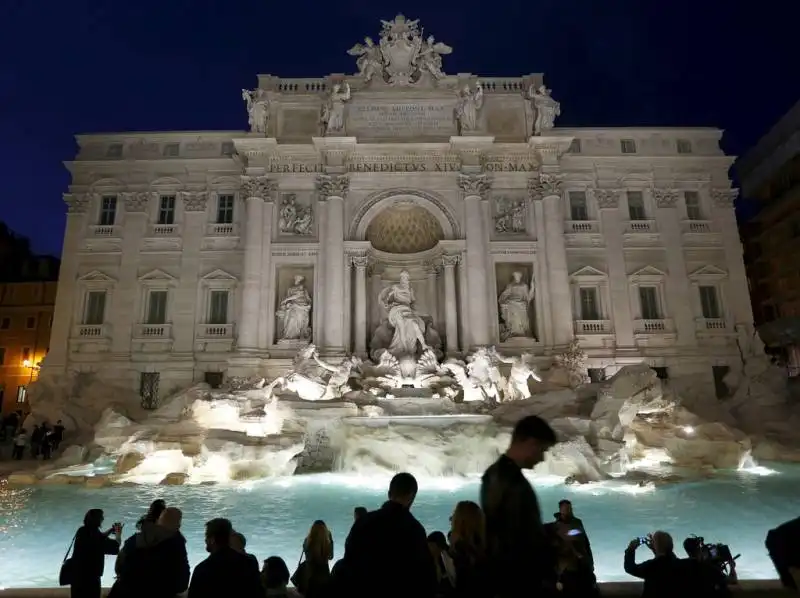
(519, 551)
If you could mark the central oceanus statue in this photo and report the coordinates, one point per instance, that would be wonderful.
(404, 332)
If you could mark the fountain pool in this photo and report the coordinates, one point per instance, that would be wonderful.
(738, 508)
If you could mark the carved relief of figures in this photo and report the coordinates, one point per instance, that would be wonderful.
(510, 217)
(468, 108)
(294, 219)
(514, 304)
(333, 108)
(257, 109)
(545, 107)
(294, 313)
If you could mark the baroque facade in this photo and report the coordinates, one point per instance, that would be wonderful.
(189, 253)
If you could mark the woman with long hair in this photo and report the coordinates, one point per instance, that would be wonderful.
(313, 573)
(468, 551)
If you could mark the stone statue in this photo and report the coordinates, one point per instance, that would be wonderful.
(333, 109)
(294, 219)
(369, 61)
(314, 379)
(257, 110)
(547, 109)
(522, 369)
(480, 378)
(294, 313)
(510, 216)
(429, 56)
(469, 105)
(409, 327)
(514, 302)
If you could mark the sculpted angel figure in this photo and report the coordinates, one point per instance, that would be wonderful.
(469, 104)
(370, 59)
(429, 56)
(547, 109)
(333, 110)
(257, 109)
(522, 368)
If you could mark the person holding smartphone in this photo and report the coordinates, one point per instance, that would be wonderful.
(88, 557)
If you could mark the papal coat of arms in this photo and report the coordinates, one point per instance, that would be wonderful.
(402, 56)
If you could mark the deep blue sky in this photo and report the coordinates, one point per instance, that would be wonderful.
(77, 66)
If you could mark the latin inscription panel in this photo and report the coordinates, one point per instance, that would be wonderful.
(401, 119)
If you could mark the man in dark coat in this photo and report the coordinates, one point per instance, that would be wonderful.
(386, 553)
(520, 553)
(225, 572)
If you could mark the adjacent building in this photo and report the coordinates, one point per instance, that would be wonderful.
(204, 254)
(27, 299)
(770, 174)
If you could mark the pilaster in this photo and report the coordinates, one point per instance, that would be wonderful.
(123, 314)
(737, 296)
(360, 311)
(475, 188)
(677, 285)
(449, 263)
(184, 305)
(619, 295)
(67, 293)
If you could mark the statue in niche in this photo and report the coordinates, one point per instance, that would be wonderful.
(294, 219)
(469, 105)
(333, 109)
(294, 313)
(257, 110)
(514, 303)
(510, 216)
(405, 333)
(547, 109)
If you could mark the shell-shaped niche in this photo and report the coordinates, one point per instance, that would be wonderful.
(404, 229)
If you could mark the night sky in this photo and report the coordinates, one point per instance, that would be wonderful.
(80, 66)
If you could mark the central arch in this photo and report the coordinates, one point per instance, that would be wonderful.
(403, 198)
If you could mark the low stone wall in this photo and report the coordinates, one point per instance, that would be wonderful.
(751, 588)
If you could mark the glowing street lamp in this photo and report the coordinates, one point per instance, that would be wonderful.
(33, 367)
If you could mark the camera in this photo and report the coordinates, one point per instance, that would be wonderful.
(644, 540)
(718, 554)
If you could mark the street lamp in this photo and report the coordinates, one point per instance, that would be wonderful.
(33, 367)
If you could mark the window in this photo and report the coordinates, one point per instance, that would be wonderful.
(148, 389)
(589, 308)
(2, 356)
(166, 210)
(157, 307)
(30, 322)
(22, 394)
(114, 150)
(108, 210)
(627, 146)
(577, 206)
(662, 373)
(227, 148)
(26, 353)
(575, 146)
(214, 379)
(95, 310)
(709, 303)
(684, 146)
(648, 301)
(636, 205)
(172, 149)
(692, 201)
(225, 209)
(5, 324)
(721, 389)
(218, 307)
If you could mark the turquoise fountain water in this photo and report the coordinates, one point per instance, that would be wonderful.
(737, 508)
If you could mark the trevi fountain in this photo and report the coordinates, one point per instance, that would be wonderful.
(318, 433)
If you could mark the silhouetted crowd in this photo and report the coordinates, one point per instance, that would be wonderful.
(42, 441)
(499, 549)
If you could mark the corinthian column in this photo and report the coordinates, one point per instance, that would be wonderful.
(255, 190)
(332, 190)
(360, 264)
(547, 189)
(449, 263)
(475, 188)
